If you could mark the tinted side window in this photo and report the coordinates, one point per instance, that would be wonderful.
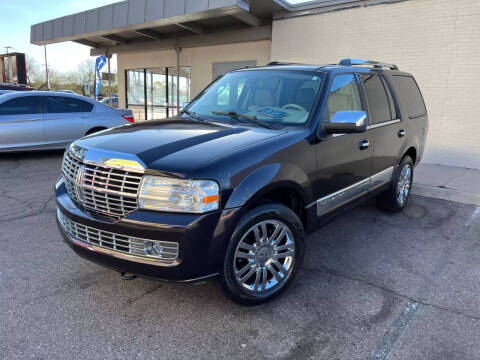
(378, 105)
(393, 108)
(343, 95)
(411, 95)
(60, 104)
(21, 105)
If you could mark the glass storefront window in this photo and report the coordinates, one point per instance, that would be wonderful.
(152, 93)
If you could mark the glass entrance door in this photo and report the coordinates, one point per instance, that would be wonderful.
(173, 104)
(156, 93)
(152, 93)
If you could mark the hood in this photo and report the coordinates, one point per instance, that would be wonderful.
(176, 145)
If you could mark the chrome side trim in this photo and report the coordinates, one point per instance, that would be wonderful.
(381, 178)
(338, 198)
(385, 123)
(335, 200)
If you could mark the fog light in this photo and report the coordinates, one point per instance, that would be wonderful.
(152, 248)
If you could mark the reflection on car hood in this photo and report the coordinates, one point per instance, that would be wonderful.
(177, 145)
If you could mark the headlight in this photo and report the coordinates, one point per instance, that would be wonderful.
(178, 195)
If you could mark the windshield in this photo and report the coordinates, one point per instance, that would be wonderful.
(276, 97)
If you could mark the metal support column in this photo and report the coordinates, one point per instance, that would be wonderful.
(109, 56)
(178, 50)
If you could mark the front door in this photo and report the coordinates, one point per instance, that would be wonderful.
(21, 123)
(343, 160)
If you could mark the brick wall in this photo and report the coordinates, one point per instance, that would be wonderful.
(436, 40)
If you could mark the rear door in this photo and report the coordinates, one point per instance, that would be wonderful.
(414, 111)
(343, 160)
(21, 123)
(66, 119)
(384, 126)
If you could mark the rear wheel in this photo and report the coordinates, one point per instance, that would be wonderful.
(396, 197)
(263, 254)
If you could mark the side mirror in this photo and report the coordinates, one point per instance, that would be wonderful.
(346, 122)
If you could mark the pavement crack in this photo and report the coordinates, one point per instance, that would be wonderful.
(42, 207)
(142, 295)
(454, 178)
(396, 293)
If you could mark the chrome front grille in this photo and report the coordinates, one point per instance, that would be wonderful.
(166, 252)
(72, 171)
(100, 189)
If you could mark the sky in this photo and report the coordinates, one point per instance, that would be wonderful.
(16, 17)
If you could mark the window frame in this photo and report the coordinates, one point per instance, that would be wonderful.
(169, 107)
(41, 104)
(384, 122)
(404, 103)
(327, 93)
(318, 104)
(389, 90)
(66, 99)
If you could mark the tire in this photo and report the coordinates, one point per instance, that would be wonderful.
(250, 258)
(392, 199)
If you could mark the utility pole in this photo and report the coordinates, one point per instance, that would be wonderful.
(47, 77)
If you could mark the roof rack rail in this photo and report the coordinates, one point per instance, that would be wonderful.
(375, 64)
(279, 63)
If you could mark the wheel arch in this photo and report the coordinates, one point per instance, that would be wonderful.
(285, 184)
(412, 152)
(95, 129)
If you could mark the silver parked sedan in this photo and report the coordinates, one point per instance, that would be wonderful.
(37, 120)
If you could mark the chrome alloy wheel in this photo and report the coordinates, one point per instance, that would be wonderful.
(404, 183)
(264, 257)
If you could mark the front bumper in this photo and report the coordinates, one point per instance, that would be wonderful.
(202, 239)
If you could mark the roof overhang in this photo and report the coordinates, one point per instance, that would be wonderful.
(135, 23)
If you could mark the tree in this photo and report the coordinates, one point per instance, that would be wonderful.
(35, 72)
(85, 74)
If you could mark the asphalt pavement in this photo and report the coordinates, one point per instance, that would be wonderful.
(373, 286)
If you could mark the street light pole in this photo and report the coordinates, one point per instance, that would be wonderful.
(46, 68)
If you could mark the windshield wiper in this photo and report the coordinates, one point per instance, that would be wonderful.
(192, 114)
(236, 115)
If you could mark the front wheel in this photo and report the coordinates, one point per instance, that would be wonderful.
(263, 254)
(396, 197)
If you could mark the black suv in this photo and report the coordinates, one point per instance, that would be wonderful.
(230, 187)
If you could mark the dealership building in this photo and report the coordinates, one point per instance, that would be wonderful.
(161, 44)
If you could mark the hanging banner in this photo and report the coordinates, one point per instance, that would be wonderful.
(99, 64)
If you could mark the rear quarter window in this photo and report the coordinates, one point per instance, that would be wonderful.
(63, 104)
(411, 95)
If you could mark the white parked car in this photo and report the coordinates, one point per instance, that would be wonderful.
(106, 101)
(37, 120)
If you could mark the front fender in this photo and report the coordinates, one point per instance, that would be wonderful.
(267, 178)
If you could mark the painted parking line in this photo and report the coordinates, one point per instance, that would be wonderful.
(383, 348)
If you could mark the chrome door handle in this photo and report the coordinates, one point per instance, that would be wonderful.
(401, 133)
(364, 144)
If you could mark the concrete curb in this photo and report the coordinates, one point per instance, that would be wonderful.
(446, 194)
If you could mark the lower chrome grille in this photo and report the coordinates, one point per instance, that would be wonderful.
(104, 190)
(167, 252)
